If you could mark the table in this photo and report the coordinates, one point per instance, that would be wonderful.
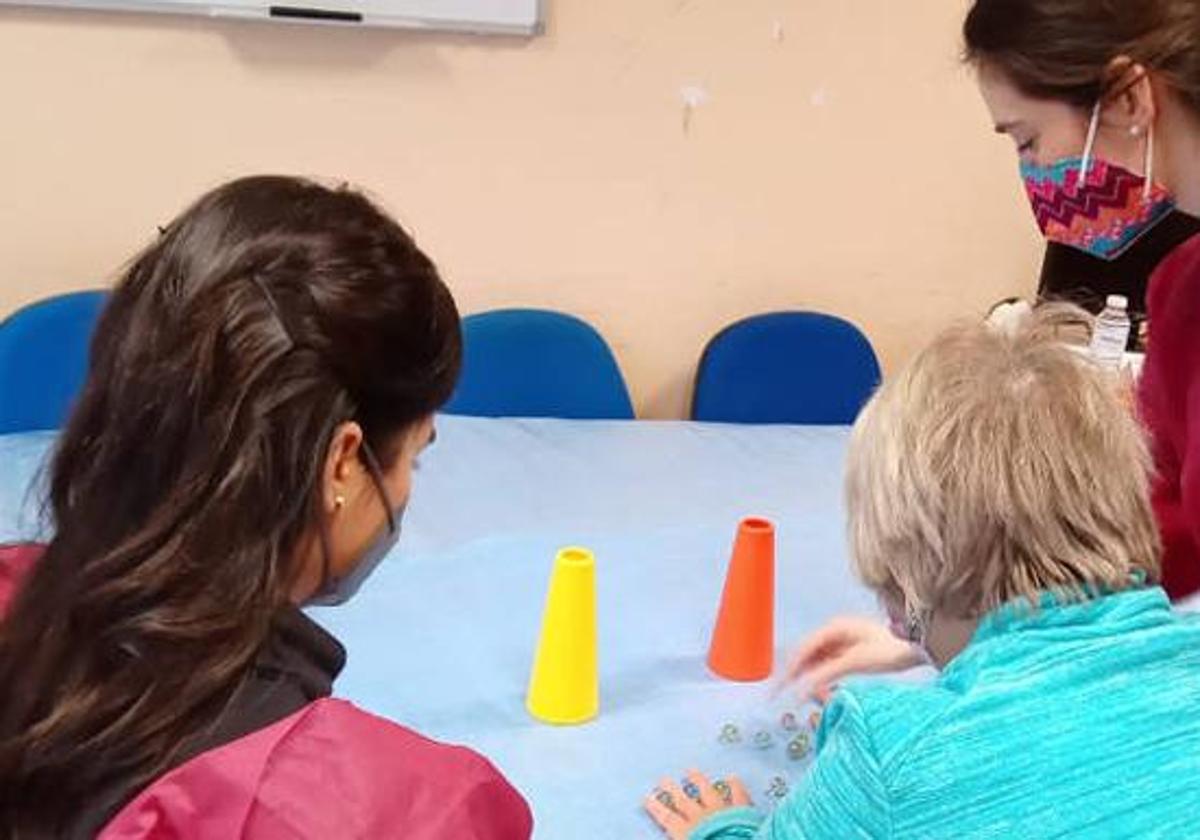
(442, 636)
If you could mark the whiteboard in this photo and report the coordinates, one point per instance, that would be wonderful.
(516, 17)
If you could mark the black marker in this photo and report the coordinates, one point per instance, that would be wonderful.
(306, 13)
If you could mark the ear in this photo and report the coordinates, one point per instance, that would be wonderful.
(341, 465)
(1131, 104)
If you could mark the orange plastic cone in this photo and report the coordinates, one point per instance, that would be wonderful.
(743, 642)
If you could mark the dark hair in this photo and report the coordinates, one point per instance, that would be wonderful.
(270, 312)
(1062, 49)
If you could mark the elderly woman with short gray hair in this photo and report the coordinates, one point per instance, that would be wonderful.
(998, 497)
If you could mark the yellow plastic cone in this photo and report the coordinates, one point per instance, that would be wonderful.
(564, 687)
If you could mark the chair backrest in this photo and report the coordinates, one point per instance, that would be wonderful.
(786, 367)
(535, 363)
(44, 358)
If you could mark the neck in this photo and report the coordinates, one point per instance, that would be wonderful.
(1179, 156)
(947, 637)
(309, 559)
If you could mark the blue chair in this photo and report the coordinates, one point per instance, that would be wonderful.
(786, 367)
(535, 363)
(44, 359)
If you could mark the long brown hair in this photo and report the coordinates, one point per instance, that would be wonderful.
(268, 313)
(1062, 49)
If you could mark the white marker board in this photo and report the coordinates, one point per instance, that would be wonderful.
(515, 17)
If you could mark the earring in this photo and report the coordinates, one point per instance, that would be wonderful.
(1135, 130)
(339, 502)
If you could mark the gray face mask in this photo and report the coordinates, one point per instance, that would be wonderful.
(335, 591)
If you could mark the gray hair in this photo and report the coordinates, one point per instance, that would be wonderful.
(1000, 464)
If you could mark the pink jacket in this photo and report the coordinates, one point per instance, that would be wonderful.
(329, 771)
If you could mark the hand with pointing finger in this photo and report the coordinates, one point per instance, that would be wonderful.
(847, 646)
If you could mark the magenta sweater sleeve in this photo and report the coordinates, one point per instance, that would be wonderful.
(1170, 407)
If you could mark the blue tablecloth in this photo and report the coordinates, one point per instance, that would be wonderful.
(441, 638)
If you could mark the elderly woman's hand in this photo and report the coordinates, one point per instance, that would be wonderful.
(848, 646)
(681, 813)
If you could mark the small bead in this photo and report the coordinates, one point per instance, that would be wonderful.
(799, 746)
(729, 734)
(778, 788)
(789, 722)
(691, 791)
(665, 798)
(722, 787)
(814, 720)
(763, 739)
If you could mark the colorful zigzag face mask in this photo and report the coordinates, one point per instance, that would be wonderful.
(1094, 205)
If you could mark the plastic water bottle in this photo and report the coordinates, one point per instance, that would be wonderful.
(1111, 334)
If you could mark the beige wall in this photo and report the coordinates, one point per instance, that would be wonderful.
(842, 160)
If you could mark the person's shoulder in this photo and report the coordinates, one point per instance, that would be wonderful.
(1177, 276)
(352, 736)
(16, 562)
(341, 769)
(1174, 342)
(865, 730)
(879, 699)
(1183, 256)
(329, 770)
(888, 717)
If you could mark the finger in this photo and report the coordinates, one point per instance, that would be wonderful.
(684, 804)
(667, 819)
(738, 795)
(708, 794)
(827, 642)
(824, 676)
(797, 664)
(821, 681)
(815, 648)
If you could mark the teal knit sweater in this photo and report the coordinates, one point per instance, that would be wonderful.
(1078, 720)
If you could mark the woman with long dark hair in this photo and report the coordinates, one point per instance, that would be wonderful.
(259, 386)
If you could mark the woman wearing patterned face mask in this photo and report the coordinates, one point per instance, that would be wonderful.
(1102, 100)
(1102, 239)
